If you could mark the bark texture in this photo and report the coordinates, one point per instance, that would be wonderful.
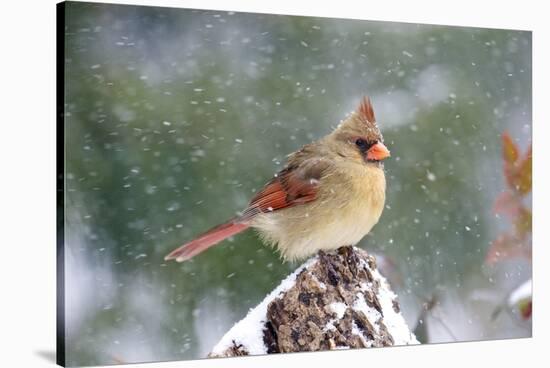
(337, 300)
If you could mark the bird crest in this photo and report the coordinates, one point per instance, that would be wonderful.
(365, 111)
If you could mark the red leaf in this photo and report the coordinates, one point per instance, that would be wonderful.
(509, 149)
(523, 222)
(523, 174)
(504, 247)
(507, 204)
(518, 174)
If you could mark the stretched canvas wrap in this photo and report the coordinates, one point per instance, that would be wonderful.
(411, 224)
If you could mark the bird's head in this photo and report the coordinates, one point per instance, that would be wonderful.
(358, 138)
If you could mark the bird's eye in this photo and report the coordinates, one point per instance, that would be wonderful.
(362, 144)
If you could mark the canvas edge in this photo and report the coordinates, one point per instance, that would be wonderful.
(60, 183)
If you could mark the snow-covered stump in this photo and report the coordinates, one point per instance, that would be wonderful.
(335, 300)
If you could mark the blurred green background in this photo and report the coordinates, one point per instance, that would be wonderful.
(175, 117)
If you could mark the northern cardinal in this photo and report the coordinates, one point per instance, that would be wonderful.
(329, 194)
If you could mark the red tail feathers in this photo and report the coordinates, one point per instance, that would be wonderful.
(205, 241)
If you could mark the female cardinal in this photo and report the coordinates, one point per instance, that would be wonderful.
(330, 194)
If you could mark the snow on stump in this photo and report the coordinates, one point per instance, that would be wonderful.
(335, 300)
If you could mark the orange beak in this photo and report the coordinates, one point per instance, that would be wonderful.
(378, 152)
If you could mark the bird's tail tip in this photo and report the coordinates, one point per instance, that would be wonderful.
(178, 254)
(205, 241)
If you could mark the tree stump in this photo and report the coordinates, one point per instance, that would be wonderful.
(335, 300)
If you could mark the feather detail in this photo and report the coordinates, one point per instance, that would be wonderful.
(294, 185)
(365, 111)
(206, 240)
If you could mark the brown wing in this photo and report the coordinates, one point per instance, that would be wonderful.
(295, 184)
